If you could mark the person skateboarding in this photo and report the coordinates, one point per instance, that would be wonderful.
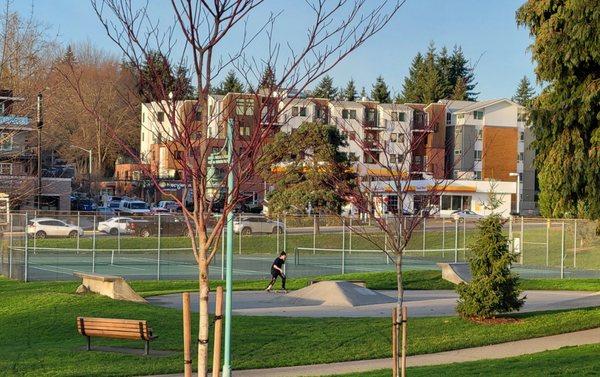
(277, 270)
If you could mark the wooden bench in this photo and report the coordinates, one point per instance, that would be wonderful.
(115, 328)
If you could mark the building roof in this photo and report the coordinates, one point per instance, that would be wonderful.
(347, 104)
(394, 107)
(483, 104)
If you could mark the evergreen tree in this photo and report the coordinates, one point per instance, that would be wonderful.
(564, 117)
(325, 89)
(230, 84)
(430, 85)
(267, 80)
(444, 63)
(363, 94)
(410, 88)
(494, 289)
(349, 93)
(380, 91)
(459, 92)
(69, 56)
(460, 69)
(525, 92)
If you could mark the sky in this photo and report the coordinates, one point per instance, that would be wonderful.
(485, 29)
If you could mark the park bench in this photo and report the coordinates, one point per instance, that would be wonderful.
(116, 329)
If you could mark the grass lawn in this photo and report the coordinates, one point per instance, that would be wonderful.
(568, 361)
(37, 327)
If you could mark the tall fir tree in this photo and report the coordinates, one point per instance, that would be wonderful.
(564, 116)
(69, 56)
(459, 92)
(267, 80)
(444, 63)
(380, 91)
(460, 69)
(349, 92)
(363, 94)
(525, 92)
(410, 87)
(325, 89)
(431, 84)
(230, 84)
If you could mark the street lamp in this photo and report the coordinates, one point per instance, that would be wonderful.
(89, 151)
(518, 191)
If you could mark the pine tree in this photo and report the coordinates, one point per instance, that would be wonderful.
(267, 81)
(349, 93)
(410, 88)
(380, 91)
(430, 85)
(525, 92)
(494, 288)
(460, 69)
(445, 69)
(459, 92)
(230, 84)
(363, 94)
(325, 89)
(69, 56)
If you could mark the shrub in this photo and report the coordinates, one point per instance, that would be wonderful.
(494, 289)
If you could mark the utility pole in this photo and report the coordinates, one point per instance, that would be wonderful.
(40, 123)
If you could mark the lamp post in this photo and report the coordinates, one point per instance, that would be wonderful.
(518, 191)
(89, 151)
(40, 124)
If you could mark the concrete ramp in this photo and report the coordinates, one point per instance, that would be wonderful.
(340, 293)
(456, 272)
(114, 287)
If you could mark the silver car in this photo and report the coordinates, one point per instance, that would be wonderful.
(256, 224)
(465, 214)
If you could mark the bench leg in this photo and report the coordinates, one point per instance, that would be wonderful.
(146, 348)
(89, 344)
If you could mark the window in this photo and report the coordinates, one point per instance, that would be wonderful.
(6, 141)
(401, 117)
(477, 175)
(393, 137)
(295, 111)
(520, 156)
(400, 138)
(160, 116)
(143, 136)
(460, 117)
(143, 117)
(522, 136)
(457, 152)
(178, 155)
(371, 159)
(394, 115)
(5, 169)
(448, 118)
(393, 159)
(370, 115)
(302, 111)
(478, 114)
(244, 130)
(477, 155)
(197, 116)
(418, 160)
(479, 134)
(244, 106)
(348, 114)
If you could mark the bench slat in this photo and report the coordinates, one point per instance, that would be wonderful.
(113, 325)
(87, 329)
(114, 334)
(112, 320)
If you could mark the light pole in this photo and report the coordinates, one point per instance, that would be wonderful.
(518, 191)
(89, 151)
(40, 123)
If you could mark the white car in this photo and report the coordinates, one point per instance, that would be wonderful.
(166, 206)
(115, 226)
(256, 224)
(465, 214)
(43, 227)
(133, 207)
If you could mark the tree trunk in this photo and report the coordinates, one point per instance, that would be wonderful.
(203, 319)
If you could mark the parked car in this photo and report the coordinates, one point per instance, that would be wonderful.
(166, 206)
(133, 207)
(465, 214)
(106, 211)
(169, 226)
(43, 227)
(115, 225)
(86, 205)
(256, 224)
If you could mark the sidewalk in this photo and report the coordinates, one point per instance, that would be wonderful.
(496, 351)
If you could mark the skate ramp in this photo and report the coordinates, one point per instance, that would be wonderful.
(456, 273)
(114, 287)
(340, 293)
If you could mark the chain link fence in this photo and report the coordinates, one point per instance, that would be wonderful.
(158, 246)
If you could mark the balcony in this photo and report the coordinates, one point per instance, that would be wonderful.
(373, 145)
(13, 121)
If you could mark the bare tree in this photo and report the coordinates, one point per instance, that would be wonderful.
(189, 130)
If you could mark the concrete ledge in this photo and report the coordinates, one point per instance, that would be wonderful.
(456, 273)
(114, 287)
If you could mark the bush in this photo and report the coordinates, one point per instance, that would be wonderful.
(494, 289)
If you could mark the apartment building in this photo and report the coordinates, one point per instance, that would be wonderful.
(18, 163)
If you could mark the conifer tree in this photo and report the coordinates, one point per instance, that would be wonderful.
(349, 93)
(230, 84)
(380, 91)
(494, 288)
(325, 89)
(460, 69)
(363, 94)
(525, 92)
(267, 81)
(459, 92)
(410, 88)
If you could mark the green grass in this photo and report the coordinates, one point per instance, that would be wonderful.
(568, 361)
(592, 285)
(37, 327)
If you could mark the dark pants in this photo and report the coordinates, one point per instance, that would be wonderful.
(274, 275)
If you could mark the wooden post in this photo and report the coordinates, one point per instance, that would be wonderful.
(216, 365)
(187, 336)
(395, 342)
(404, 339)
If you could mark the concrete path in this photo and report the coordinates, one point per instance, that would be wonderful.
(419, 303)
(496, 351)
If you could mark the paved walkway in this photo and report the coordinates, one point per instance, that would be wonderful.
(496, 351)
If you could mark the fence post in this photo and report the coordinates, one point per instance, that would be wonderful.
(314, 233)
(158, 249)
(240, 234)
(278, 229)
(26, 262)
(10, 247)
(424, 230)
(547, 242)
(223, 253)
(562, 252)
(343, 245)
(575, 244)
(522, 242)
(285, 233)
(455, 240)
(119, 239)
(93, 245)
(187, 335)
(78, 226)
(443, 239)
(350, 236)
